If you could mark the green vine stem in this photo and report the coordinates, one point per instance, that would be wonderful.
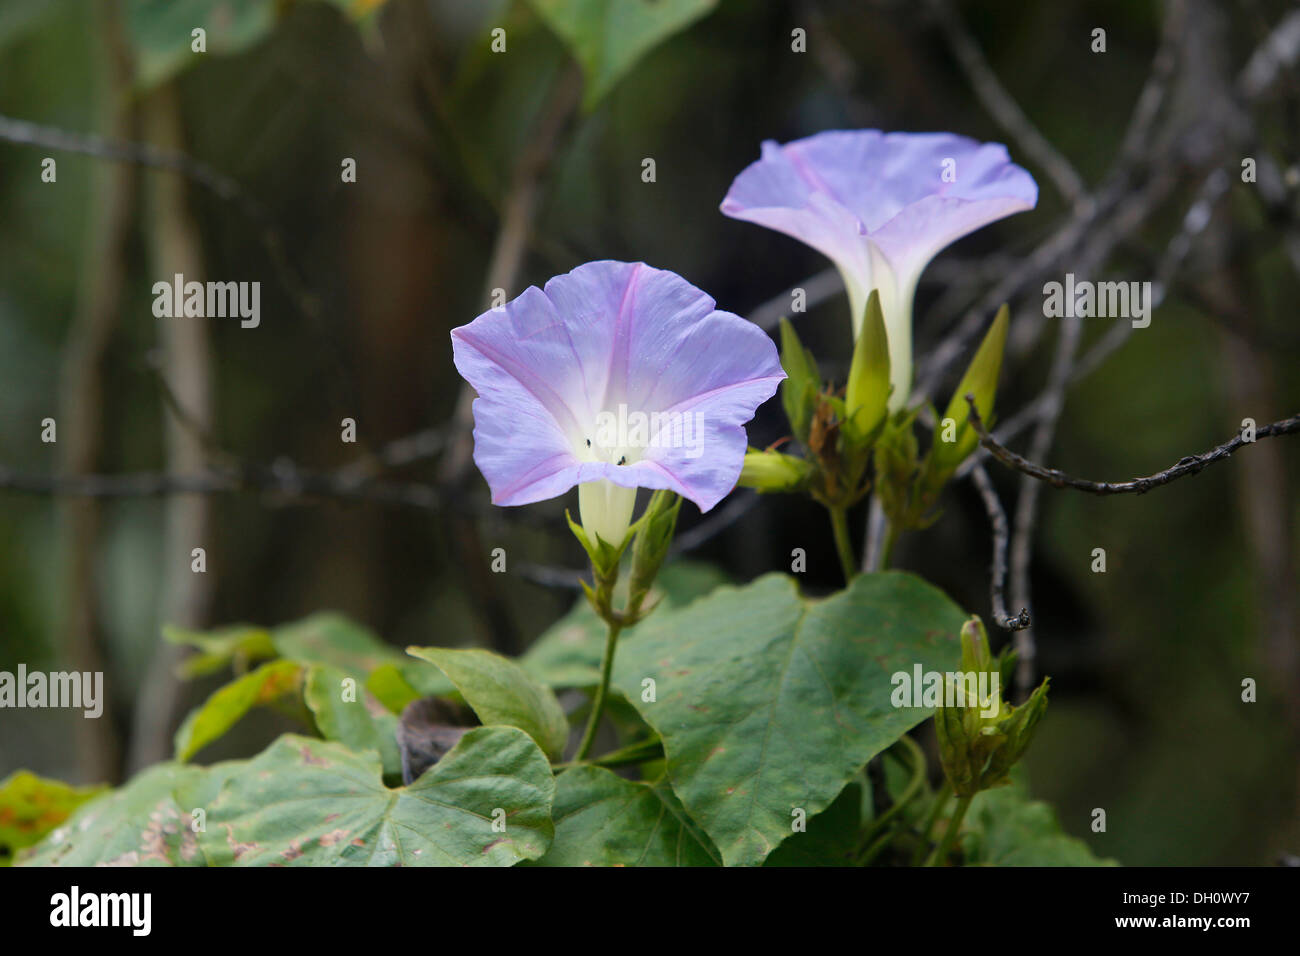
(843, 546)
(602, 690)
(940, 801)
(875, 836)
(639, 752)
(954, 825)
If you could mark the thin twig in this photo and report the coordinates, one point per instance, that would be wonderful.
(998, 569)
(1189, 465)
(282, 478)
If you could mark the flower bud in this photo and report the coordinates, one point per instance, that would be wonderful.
(773, 471)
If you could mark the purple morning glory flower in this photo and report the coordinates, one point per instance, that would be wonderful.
(881, 206)
(614, 377)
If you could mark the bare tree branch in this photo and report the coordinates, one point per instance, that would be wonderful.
(1190, 465)
(998, 569)
(292, 484)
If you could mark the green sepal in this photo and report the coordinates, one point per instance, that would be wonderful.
(980, 380)
(896, 456)
(802, 384)
(604, 556)
(1019, 730)
(866, 398)
(654, 536)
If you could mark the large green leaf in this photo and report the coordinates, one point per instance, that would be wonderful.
(502, 692)
(607, 37)
(349, 714)
(272, 682)
(142, 824)
(830, 837)
(305, 802)
(768, 702)
(1005, 828)
(603, 820)
(568, 653)
(32, 806)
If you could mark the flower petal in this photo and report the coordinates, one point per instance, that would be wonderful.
(838, 190)
(611, 334)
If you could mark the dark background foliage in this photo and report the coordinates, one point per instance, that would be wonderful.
(1146, 660)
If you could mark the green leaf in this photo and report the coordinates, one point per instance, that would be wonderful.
(271, 682)
(32, 806)
(351, 715)
(981, 379)
(305, 802)
(802, 381)
(390, 687)
(767, 702)
(829, 839)
(1005, 828)
(142, 824)
(236, 646)
(330, 638)
(602, 819)
(568, 653)
(502, 692)
(607, 37)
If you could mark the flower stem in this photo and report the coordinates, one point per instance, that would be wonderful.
(949, 835)
(940, 800)
(602, 689)
(639, 752)
(870, 843)
(891, 538)
(840, 526)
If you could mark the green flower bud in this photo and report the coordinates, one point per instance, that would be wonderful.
(770, 471)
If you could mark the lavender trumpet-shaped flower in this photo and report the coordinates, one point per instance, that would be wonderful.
(881, 206)
(615, 376)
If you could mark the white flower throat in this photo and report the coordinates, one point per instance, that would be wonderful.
(604, 508)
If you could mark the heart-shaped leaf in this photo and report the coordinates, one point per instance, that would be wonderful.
(829, 839)
(142, 824)
(305, 802)
(568, 653)
(603, 820)
(767, 702)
